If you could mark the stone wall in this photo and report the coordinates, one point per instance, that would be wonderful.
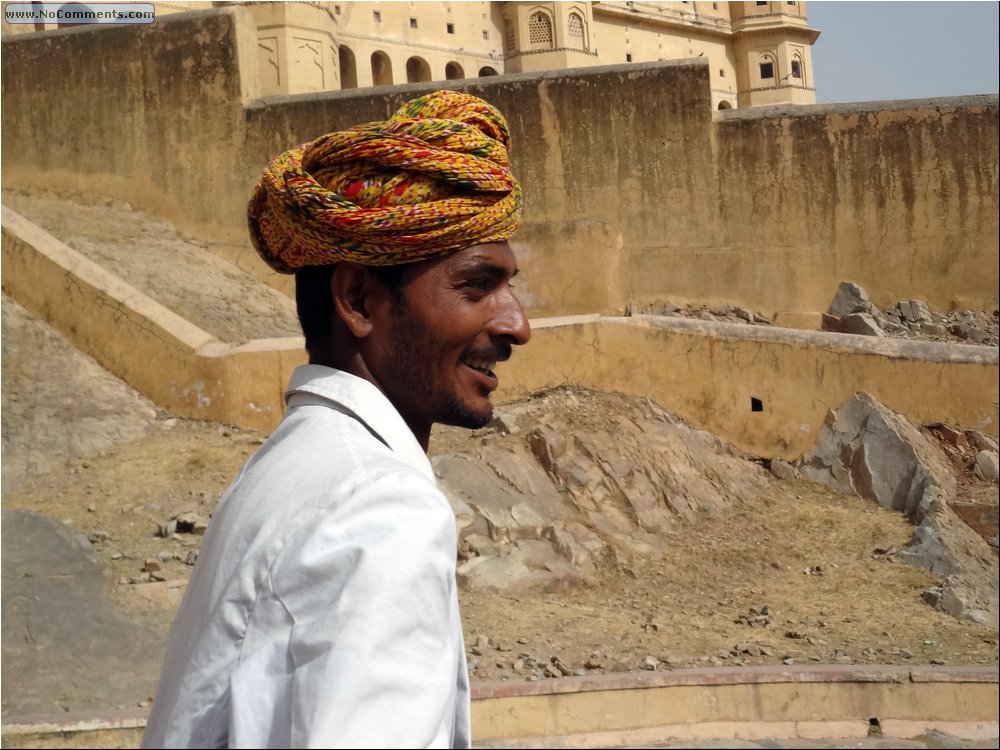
(892, 195)
(148, 114)
(636, 191)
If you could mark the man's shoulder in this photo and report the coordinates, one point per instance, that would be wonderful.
(353, 410)
(333, 437)
(354, 487)
(322, 472)
(320, 455)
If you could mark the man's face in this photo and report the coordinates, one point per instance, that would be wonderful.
(457, 318)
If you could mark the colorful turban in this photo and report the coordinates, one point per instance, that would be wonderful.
(432, 179)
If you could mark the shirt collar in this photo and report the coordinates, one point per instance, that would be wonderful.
(364, 401)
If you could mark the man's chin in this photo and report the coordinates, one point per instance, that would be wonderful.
(461, 415)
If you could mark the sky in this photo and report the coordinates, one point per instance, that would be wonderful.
(870, 51)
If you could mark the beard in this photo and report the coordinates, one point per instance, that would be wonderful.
(413, 349)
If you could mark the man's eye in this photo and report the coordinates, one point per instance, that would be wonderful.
(481, 285)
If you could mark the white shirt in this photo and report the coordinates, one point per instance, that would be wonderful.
(323, 610)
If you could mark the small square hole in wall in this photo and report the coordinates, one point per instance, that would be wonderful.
(413, 23)
(450, 28)
(756, 404)
(628, 57)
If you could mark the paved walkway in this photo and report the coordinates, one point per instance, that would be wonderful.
(931, 740)
(127, 738)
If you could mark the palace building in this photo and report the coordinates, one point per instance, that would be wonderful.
(758, 52)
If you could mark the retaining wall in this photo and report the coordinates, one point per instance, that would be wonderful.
(707, 372)
(163, 356)
(732, 703)
(710, 373)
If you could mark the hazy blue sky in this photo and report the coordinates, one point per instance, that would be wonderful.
(904, 50)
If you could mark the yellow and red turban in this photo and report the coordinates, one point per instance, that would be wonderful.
(432, 179)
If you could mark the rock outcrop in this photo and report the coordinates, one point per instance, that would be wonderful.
(864, 448)
(852, 311)
(538, 499)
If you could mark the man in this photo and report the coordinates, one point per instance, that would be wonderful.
(323, 610)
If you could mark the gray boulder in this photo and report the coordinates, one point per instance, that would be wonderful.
(915, 311)
(987, 466)
(851, 298)
(945, 545)
(981, 441)
(861, 324)
(867, 449)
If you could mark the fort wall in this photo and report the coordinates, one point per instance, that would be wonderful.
(768, 208)
(635, 192)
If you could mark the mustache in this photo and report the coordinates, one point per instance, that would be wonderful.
(499, 351)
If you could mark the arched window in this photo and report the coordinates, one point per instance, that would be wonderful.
(540, 30)
(417, 69)
(509, 37)
(487, 71)
(723, 105)
(453, 71)
(381, 69)
(348, 68)
(577, 31)
(797, 75)
(768, 69)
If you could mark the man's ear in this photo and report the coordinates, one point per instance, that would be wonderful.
(355, 297)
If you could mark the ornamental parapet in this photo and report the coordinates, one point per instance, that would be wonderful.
(524, 53)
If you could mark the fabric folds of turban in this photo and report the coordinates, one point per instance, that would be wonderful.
(432, 179)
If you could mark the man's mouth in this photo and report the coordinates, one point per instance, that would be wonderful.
(482, 361)
(482, 370)
(483, 365)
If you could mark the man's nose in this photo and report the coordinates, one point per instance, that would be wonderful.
(510, 320)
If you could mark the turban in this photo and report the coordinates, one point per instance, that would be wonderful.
(432, 179)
